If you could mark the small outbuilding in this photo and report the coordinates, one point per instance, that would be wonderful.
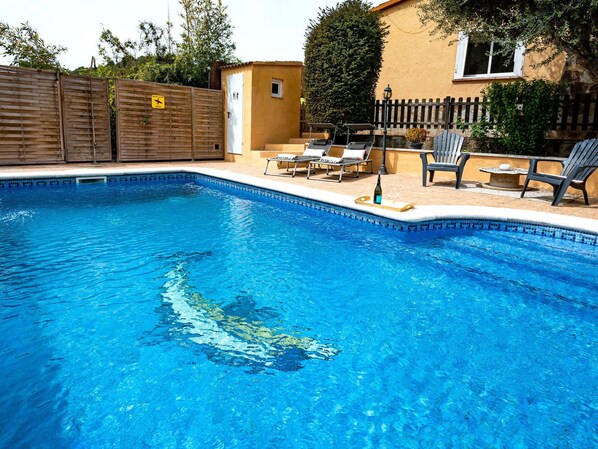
(262, 105)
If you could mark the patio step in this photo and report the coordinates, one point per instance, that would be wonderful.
(314, 135)
(263, 154)
(285, 147)
(299, 140)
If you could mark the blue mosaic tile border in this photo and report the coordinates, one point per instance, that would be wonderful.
(33, 183)
(111, 179)
(425, 226)
(151, 177)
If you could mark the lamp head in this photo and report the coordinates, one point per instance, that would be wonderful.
(387, 93)
(93, 65)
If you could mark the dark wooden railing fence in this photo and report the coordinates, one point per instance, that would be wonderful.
(576, 113)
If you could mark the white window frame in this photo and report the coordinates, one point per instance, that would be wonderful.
(462, 56)
(279, 84)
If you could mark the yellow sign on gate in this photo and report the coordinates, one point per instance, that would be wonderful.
(158, 102)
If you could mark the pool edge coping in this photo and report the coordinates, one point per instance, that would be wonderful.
(415, 215)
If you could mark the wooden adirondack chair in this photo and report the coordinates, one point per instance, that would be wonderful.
(447, 157)
(577, 168)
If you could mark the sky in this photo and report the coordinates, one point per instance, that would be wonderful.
(263, 30)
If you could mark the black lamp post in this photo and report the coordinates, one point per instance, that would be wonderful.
(387, 95)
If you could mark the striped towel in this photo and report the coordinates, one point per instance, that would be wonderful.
(286, 157)
(331, 160)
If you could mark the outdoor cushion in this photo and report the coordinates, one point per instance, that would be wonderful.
(353, 154)
(313, 152)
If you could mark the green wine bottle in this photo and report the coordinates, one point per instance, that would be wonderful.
(378, 192)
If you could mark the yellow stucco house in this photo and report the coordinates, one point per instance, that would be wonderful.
(418, 65)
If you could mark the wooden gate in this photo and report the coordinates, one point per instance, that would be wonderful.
(86, 119)
(165, 122)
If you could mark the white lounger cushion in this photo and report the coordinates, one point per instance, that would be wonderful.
(313, 152)
(353, 154)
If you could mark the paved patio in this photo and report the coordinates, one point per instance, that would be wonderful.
(409, 188)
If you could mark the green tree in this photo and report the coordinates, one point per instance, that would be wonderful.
(116, 52)
(343, 57)
(147, 59)
(153, 40)
(27, 49)
(206, 37)
(569, 26)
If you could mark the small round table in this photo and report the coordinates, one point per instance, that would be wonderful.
(503, 179)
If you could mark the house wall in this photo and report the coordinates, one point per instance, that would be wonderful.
(275, 120)
(417, 65)
(266, 119)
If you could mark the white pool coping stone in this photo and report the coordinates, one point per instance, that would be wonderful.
(417, 214)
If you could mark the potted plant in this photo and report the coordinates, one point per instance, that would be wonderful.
(416, 137)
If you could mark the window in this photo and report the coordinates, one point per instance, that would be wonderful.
(276, 88)
(478, 58)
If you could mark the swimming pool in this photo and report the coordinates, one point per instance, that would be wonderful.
(192, 312)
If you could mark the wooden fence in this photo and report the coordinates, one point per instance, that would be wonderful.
(46, 117)
(186, 123)
(576, 113)
(49, 117)
(30, 130)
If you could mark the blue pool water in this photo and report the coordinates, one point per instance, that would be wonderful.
(191, 315)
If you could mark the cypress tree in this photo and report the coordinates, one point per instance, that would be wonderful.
(343, 57)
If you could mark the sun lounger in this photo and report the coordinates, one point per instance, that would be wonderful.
(316, 148)
(355, 155)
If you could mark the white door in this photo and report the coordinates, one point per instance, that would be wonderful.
(234, 138)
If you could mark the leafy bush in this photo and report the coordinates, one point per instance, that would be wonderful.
(478, 131)
(416, 135)
(343, 57)
(523, 131)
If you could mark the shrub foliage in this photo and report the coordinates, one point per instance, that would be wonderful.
(416, 135)
(523, 131)
(343, 57)
(27, 49)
